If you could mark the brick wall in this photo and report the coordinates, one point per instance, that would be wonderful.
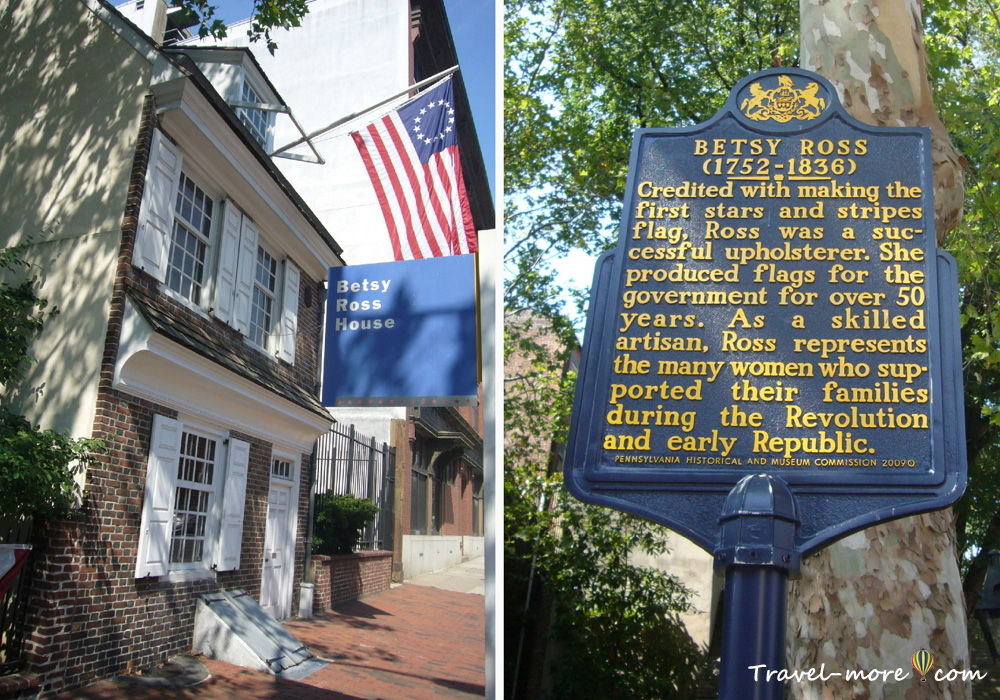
(458, 504)
(88, 616)
(322, 589)
(346, 577)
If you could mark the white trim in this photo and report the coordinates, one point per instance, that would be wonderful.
(228, 552)
(187, 108)
(138, 40)
(185, 575)
(287, 326)
(153, 551)
(288, 570)
(156, 368)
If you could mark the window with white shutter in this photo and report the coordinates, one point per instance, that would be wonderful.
(157, 505)
(262, 303)
(289, 324)
(183, 528)
(254, 289)
(189, 240)
(233, 506)
(156, 212)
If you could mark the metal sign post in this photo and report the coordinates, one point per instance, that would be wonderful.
(775, 322)
(757, 548)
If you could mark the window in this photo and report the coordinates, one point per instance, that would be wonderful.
(189, 240)
(211, 253)
(477, 505)
(193, 498)
(281, 468)
(418, 491)
(256, 120)
(262, 303)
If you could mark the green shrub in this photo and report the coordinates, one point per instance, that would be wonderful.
(338, 523)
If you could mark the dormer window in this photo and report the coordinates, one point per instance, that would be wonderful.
(256, 120)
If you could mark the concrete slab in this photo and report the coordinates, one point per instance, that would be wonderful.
(467, 577)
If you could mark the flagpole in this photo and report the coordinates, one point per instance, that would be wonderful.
(355, 115)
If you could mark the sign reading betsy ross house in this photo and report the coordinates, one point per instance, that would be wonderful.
(775, 304)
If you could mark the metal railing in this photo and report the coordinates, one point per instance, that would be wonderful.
(348, 462)
(14, 605)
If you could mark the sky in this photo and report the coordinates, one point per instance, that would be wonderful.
(473, 28)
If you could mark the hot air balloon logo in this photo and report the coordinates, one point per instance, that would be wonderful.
(922, 662)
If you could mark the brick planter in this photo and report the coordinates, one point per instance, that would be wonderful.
(348, 577)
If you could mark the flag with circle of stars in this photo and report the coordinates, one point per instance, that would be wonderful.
(412, 159)
(430, 121)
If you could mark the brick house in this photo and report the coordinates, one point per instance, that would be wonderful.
(356, 54)
(189, 274)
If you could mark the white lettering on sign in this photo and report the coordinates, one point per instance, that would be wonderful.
(365, 285)
(347, 305)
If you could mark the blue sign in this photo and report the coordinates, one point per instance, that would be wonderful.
(401, 334)
(776, 304)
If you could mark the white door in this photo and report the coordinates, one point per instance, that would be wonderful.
(275, 591)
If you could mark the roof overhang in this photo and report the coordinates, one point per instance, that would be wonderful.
(153, 367)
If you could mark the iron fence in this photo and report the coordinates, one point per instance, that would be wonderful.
(14, 605)
(350, 463)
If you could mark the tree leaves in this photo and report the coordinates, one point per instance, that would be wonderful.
(265, 16)
(580, 77)
(37, 466)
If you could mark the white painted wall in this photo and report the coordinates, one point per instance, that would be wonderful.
(370, 422)
(472, 547)
(70, 109)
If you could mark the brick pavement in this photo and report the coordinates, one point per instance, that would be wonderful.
(408, 643)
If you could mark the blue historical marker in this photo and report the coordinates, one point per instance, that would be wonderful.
(772, 356)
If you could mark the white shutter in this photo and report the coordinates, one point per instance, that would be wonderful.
(229, 255)
(157, 506)
(289, 313)
(227, 555)
(156, 213)
(244, 277)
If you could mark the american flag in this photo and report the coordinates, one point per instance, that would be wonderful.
(12, 558)
(412, 159)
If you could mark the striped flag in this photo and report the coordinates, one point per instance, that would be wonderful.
(12, 558)
(412, 159)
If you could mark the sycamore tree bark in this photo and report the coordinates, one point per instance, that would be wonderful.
(873, 599)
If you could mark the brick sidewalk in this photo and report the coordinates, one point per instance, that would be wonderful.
(408, 643)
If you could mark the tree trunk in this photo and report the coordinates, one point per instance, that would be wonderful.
(870, 601)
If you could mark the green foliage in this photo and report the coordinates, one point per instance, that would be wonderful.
(965, 69)
(580, 76)
(338, 523)
(615, 623)
(265, 16)
(22, 315)
(36, 466)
